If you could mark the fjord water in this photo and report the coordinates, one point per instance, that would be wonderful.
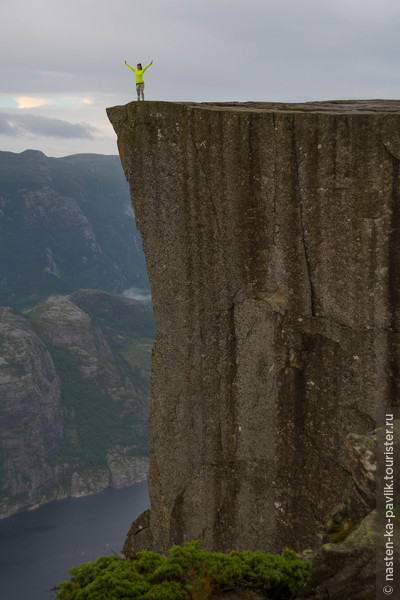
(38, 547)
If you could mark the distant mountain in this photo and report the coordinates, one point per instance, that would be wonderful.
(65, 224)
(74, 386)
(74, 363)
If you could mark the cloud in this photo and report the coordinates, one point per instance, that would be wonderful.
(30, 102)
(36, 102)
(5, 128)
(23, 124)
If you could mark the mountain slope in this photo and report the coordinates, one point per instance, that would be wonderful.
(65, 223)
(74, 384)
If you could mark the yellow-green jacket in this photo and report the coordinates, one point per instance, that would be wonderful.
(138, 72)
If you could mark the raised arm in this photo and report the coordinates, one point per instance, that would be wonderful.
(134, 70)
(150, 63)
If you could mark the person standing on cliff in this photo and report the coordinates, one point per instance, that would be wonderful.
(139, 78)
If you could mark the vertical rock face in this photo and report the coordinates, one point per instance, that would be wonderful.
(272, 241)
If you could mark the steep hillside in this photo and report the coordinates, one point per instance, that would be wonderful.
(74, 387)
(65, 224)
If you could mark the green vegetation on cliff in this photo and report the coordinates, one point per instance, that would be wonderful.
(188, 572)
(96, 418)
(96, 406)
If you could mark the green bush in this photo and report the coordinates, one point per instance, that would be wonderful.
(188, 572)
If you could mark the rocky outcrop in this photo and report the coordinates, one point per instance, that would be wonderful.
(347, 569)
(345, 565)
(351, 561)
(272, 238)
(74, 386)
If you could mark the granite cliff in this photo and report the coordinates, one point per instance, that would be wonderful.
(272, 240)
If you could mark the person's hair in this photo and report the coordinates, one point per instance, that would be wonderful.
(139, 65)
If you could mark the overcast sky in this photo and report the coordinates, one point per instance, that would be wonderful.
(62, 62)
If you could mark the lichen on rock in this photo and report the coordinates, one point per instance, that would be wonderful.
(347, 564)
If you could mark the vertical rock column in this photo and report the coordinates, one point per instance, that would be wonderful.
(271, 235)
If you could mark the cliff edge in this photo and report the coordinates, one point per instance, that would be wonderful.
(272, 240)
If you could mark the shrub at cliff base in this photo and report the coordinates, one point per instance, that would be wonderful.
(188, 572)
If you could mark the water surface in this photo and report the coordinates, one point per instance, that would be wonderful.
(37, 548)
